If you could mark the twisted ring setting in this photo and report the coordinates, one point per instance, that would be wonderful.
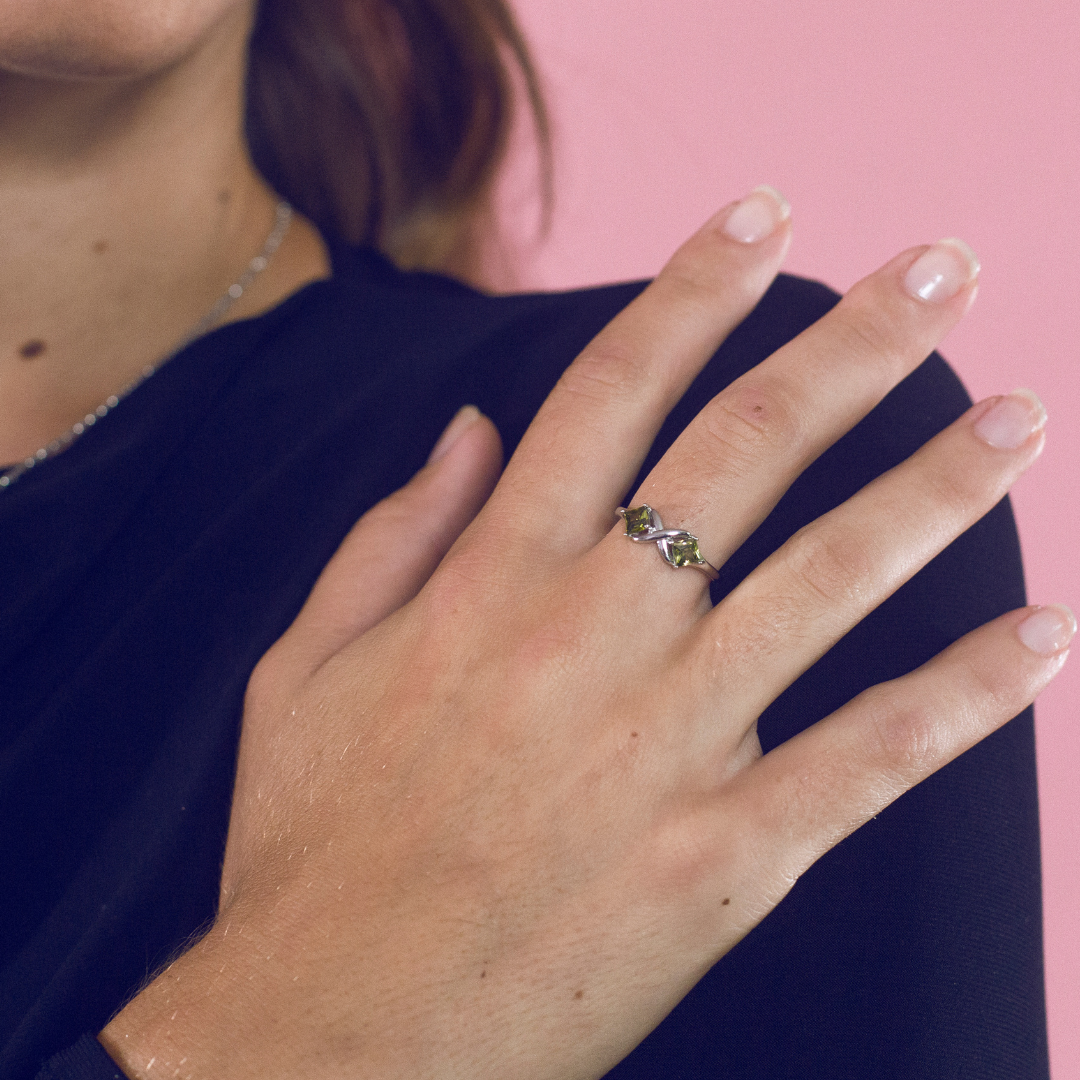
(678, 547)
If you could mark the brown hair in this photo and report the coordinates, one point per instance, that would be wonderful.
(385, 121)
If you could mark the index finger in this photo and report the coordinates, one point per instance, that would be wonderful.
(592, 433)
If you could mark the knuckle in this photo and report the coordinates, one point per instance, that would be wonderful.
(915, 724)
(706, 270)
(829, 565)
(454, 589)
(264, 688)
(607, 368)
(684, 856)
(743, 428)
(409, 511)
(905, 737)
(864, 327)
(684, 283)
(398, 509)
(779, 624)
(991, 689)
(468, 582)
(554, 646)
(953, 490)
(752, 415)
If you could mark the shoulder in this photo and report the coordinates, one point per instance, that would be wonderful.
(423, 307)
(367, 367)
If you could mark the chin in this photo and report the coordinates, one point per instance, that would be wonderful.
(106, 39)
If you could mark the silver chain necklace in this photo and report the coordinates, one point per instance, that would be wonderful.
(282, 217)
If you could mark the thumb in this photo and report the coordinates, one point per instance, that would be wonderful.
(395, 547)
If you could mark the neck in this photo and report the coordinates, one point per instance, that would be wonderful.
(126, 210)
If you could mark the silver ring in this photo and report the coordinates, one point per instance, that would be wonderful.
(678, 547)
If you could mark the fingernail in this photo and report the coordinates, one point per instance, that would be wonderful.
(939, 274)
(1048, 630)
(1012, 421)
(758, 215)
(464, 418)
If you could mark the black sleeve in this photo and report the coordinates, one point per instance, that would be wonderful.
(86, 1060)
(913, 949)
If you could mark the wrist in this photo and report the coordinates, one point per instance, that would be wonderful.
(196, 1019)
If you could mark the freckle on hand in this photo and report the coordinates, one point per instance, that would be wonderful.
(100, 247)
(35, 347)
(726, 900)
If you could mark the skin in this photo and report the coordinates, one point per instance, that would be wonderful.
(127, 199)
(501, 804)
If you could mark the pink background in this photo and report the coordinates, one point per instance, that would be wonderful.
(886, 125)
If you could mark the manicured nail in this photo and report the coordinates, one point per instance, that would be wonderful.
(1012, 421)
(758, 215)
(1048, 630)
(464, 418)
(939, 274)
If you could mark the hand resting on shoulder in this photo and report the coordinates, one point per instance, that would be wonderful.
(500, 799)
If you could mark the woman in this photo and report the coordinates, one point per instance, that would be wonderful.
(498, 817)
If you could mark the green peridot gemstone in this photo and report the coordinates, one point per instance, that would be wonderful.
(684, 552)
(638, 520)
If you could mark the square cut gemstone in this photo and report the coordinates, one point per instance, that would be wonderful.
(684, 552)
(638, 520)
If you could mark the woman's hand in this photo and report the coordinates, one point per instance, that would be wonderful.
(503, 831)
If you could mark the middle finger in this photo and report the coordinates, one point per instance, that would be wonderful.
(591, 435)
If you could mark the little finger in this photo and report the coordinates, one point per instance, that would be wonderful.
(818, 787)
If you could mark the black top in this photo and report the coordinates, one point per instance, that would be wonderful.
(148, 568)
